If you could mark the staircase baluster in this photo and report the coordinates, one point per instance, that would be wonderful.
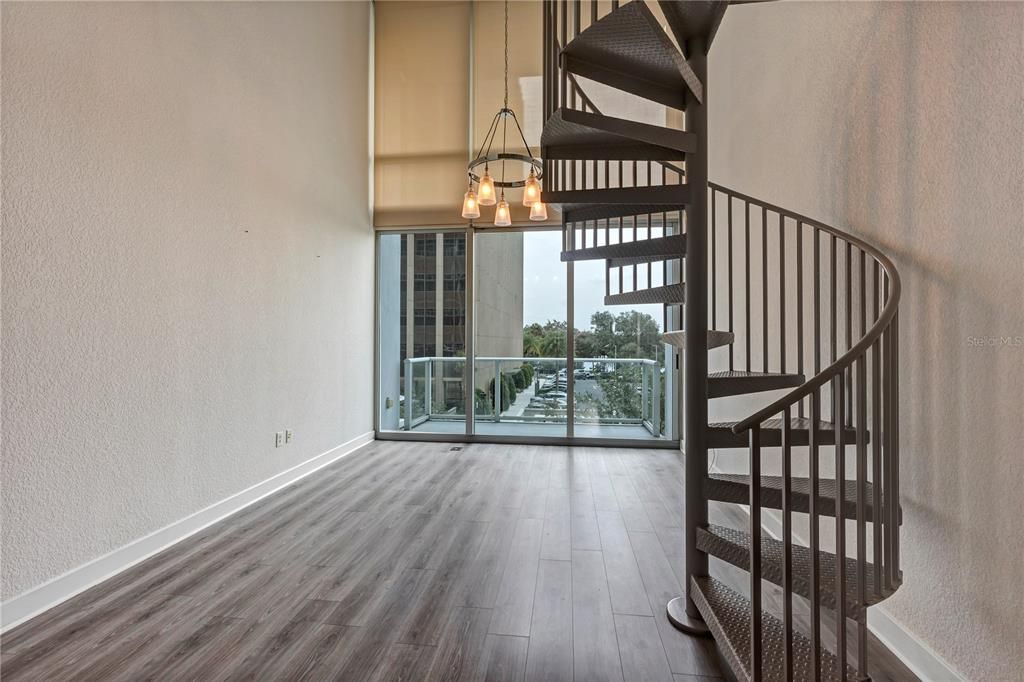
(746, 283)
(713, 229)
(782, 294)
(800, 306)
(729, 295)
(896, 449)
(787, 539)
(832, 325)
(764, 292)
(814, 528)
(817, 301)
(887, 411)
(849, 332)
(838, 427)
(755, 553)
(862, 475)
(564, 92)
(878, 518)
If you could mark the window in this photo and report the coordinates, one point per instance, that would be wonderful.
(424, 281)
(454, 317)
(425, 317)
(426, 245)
(455, 281)
(454, 245)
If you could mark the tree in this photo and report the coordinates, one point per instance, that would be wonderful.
(547, 340)
(620, 397)
(602, 325)
(641, 330)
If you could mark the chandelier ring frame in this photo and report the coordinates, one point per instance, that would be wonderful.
(537, 164)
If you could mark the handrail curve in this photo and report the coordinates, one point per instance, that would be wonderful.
(871, 336)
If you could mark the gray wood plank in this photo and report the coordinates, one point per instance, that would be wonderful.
(594, 645)
(460, 655)
(550, 651)
(643, 656)
(625, 585)
(686, 655)
(505, 658)
(513, 608)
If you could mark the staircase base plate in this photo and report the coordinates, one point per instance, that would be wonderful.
(684, 622)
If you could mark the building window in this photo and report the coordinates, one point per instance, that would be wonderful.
(455, 281)
(454, 317)
(425, 317)
(424, 281)
(426, 245)
(454, 245)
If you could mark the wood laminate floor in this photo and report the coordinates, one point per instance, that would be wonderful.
(409, 561)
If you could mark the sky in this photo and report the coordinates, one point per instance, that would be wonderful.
(544, 278)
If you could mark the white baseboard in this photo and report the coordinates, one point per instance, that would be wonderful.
(920, 658)
(44, 597)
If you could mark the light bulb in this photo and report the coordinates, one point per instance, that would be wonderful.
(539, 211)
(470, 205)
(531, 191)
(486, 190)
(502, 217)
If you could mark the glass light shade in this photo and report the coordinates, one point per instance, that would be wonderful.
(531, 191)
(470, 206)
(502, 215)
(538, 211)
(485, 193)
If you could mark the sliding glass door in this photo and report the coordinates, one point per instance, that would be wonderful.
(520, 341)
(421, 331)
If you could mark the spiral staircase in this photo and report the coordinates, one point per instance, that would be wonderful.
(771, 301)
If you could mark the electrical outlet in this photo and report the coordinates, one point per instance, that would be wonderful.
(288, 436)
(278, 439)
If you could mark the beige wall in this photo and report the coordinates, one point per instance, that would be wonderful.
(187, 262)
(904, 123)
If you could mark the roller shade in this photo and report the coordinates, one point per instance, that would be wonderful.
(424, 89)
(421, 111)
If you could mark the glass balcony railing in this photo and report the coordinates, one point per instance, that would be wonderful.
(534, 391)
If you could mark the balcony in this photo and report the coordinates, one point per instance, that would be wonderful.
(621, 398)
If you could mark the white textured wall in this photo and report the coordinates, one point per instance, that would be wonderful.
(904, 122)
(187, 261)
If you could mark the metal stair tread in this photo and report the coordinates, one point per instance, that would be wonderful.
(672, 294)
(629, 50)
(730, 383)
(573, 134)
(689, 19)
(720, 434)
(727, 614)
(735, 488)
(715, 338)
(659, 248)
(733, 546)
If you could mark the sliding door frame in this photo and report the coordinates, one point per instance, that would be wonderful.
(469, 375)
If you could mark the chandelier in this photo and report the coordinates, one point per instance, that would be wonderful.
(487, 186)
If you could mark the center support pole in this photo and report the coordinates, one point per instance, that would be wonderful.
(682, 612)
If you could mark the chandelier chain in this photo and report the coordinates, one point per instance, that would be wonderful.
(506, 54)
